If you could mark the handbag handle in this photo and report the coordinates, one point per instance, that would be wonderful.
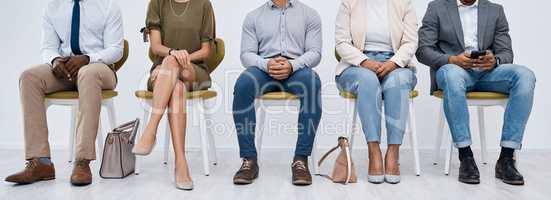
(327, 154)
(333, 149)
(348, 162)
(126, 126)
(342, 142)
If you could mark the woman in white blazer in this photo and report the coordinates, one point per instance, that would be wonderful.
(377, 40)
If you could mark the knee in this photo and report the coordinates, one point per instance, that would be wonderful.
(310, 78)
(88, 73)
(170, 62)
(367, 81)
(450, 76)
(245, 82)
(306, 82)
(402, 78)
(28, 77)
(187, 76)
(523, 76)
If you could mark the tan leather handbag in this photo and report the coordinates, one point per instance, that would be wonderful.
(344, 171)
(118, 160)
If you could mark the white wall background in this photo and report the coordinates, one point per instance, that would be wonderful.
(20, 44)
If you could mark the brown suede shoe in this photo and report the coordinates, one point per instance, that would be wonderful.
(81, 173)
(33, 172)
(301, 173)
(247, 173)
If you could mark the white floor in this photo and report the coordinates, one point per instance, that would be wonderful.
(155, 182)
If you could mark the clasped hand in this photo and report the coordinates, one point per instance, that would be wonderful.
(183, 57)
(380, 68)
(66, 68)
(279, 68)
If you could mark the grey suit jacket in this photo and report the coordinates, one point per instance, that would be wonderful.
(441, 34)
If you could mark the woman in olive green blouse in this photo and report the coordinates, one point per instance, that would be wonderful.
(181, 34)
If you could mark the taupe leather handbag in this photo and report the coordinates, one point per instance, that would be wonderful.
(343, 171)
(118, 160)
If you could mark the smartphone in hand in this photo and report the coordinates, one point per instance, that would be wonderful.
(477, 54)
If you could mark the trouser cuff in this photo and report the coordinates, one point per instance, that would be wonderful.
(462, 144)
(511, 144)
(248, 155)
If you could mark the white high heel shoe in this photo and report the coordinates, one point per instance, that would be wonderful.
(376, 179)
(142, 151)
(392, 179)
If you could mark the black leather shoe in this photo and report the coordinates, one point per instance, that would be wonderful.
(468, 171)
(507, 172)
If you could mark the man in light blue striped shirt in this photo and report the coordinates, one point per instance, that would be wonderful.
(281, 43)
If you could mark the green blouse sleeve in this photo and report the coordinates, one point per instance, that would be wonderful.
(153, 19)
(208, 26)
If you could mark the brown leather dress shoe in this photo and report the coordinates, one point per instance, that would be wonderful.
(33, 172)
(82, 174)
(247, 173)
(301, 173)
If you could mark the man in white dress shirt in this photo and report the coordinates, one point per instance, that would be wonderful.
(82, 39)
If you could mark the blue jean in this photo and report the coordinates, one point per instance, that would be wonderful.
(254, 82)
(395, 88)
(517, 81)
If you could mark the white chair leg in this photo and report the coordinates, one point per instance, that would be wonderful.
(200, 113)
(110, 105)
(210, 135)
(72, 133)
(413, 136)
(212, 148)
(449, 151)
(167, 142)
(482, 132)
(143, 123)
(99, 139)
(260, 127)
(354, 130)
(439, 134)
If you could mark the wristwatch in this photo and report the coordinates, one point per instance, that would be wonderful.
(498, 61)
(170, 51)
(53, 60)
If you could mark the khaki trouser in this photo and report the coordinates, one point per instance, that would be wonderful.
(38, 81)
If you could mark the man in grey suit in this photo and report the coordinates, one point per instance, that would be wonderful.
(467, 45)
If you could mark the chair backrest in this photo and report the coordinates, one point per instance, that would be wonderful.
(218, 55)
(214, 61)
(121, 62)
(337, 56)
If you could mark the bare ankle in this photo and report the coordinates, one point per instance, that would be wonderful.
(374, 150)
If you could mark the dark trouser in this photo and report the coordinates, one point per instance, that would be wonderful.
(254, 82)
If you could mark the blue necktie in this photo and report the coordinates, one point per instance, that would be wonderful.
(75, 28)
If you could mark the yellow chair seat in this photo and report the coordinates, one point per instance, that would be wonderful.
(477, 95)
(203, 94)
(106, 94)
(278, 96)
(349, 95)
